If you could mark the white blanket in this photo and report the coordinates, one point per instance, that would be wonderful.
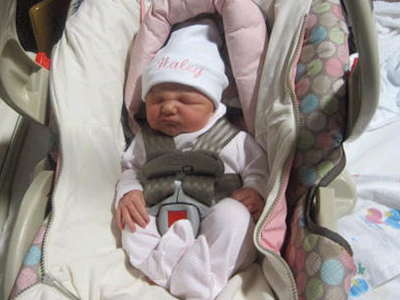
(373, 228)
(387, 16)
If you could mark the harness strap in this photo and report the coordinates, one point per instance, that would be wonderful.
(156, 143)
(201, 185)
(217, 137)
(158, 189)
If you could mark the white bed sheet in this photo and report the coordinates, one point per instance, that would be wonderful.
(373, 228)
(387, 16)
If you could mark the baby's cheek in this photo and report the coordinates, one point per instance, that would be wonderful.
(151, 116)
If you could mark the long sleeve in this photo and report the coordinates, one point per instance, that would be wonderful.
(243, 155)
(132, 162)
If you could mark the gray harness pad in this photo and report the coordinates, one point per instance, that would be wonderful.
(184, 163)
(200, 173)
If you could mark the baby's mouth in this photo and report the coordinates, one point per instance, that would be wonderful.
(169, 120)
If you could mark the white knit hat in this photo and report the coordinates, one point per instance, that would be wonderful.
(190, 57)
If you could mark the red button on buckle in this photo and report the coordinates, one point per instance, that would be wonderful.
(43, 60)
(176, 215)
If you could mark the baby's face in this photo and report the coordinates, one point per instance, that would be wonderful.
(173, 109)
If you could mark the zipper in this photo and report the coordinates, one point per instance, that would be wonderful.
(289, 86)
(288, 271)
(291, 91)
(45, 277)
(50, 280)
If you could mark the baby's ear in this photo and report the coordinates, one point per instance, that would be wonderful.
(140, 116)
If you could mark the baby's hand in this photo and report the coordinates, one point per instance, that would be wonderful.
(132, 210)
(250, 198)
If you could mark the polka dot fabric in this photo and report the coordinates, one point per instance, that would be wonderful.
(30, 270)
(320, 89)
(322, 267)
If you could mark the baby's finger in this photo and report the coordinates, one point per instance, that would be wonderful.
(239, 196)
(141, 209)
(250, 204)
(252, 209)
(119, 219)
(127, 220)
(248, 201)
(136, 216)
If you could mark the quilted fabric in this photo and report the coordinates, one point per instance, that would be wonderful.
(320, 90)
(319, 259)
(30, 270)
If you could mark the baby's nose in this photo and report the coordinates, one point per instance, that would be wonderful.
(169, 107)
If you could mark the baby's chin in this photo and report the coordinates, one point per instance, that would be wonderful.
(174, 128)
(171, 130)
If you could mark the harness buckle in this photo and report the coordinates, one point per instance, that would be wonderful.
(176, 207)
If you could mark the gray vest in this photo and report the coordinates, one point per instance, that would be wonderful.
(200, 170)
